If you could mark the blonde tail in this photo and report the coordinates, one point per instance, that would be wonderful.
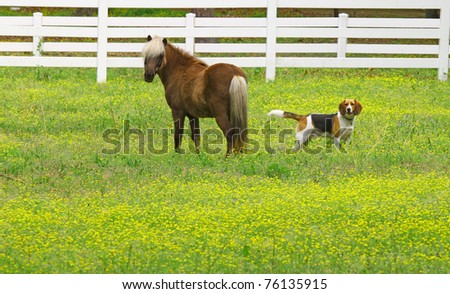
(238, 110)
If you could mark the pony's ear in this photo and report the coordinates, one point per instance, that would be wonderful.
(165, 42)
(358, 108)
(149, 38)
(342, 107)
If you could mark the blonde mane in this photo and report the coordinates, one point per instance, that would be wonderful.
(153, 48)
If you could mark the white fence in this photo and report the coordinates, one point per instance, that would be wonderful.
(105, 42)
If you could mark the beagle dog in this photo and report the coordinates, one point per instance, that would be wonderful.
(338, 126)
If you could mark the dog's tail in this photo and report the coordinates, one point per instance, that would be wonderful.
(284, 114)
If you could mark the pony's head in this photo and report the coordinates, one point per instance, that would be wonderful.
(154, 55)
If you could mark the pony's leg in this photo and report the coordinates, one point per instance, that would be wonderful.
(219, 111)
(195, 131)
(224, 124)
(178, 118)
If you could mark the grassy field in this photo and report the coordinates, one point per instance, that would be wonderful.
(380, 207)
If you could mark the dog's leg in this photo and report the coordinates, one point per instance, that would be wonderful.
(348, 136)
(337, 143)
(297, 146)
(298, 142)
(301, 140)
(345, 136)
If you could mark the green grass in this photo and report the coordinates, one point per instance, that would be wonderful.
(381, 207)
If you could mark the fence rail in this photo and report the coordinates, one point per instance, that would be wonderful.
(271, 41)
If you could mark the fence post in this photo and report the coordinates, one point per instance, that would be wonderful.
(342, 38)
(271, 40)
(190, 41)
(37, 38)
(444, 41)
(102, 40)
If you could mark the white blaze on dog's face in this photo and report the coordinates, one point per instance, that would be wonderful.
(349, 109)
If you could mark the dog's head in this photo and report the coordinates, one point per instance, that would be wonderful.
(349, 108)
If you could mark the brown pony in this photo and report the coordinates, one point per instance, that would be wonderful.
(194, 89)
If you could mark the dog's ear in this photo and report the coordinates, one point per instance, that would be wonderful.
(342, 108)
(358, 108)
(149, 38)
(165, 42)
